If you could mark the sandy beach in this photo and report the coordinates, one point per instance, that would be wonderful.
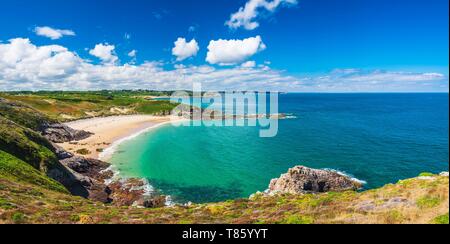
(109, 131)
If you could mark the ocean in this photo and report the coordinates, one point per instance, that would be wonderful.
(376, 138)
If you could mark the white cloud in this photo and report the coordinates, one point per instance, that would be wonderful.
(105, 52)
(264, 67)
(193, 28)
(249, 64)
(247, 16)
(25, 66)
(132, 54)
(51, 33)
(184, 50)
(231, 52)
(21, 61)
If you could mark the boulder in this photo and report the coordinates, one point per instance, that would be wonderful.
(300, 180)
(153, 202)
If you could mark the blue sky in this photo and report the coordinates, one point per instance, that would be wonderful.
(305, 45)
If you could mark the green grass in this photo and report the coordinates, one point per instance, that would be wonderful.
(298, 220)
(426, 174)
(428, 202)
(155, 107)
(4, 204)
(27, 145)
(18, 217)
(83, 151)
(442, 220)
(17, 170)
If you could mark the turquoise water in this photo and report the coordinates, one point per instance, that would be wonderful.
(378, 138)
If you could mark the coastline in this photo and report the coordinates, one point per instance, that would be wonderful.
(110, 132)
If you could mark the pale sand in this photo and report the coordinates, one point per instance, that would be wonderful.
(109, 131)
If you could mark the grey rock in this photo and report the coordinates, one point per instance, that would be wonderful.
(82, 177)
(153, 202)
(387, 204)
(86, 166)
(61, 153)
(300, 180)
(59, 133)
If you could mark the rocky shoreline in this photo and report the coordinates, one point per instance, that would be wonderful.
(90, 178)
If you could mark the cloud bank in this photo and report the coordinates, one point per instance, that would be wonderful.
(356, 80)
(247, 16)
(25, 66)
(51, 33)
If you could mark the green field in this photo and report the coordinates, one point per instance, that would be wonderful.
(67, 106)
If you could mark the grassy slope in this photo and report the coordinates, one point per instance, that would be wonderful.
(26, 156)
(409, 201)
(16, 170)
(65, 106)
(27, 145)
(22, 114)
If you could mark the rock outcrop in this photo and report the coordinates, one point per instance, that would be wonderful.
(59, 133)
(300, 180)
(132, 192)
(88, 178)
(88, 167)
(61, 153)
(154, 202)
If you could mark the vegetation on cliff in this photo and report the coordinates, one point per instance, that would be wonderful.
(26, 145)
(23, 202)
(14, 169)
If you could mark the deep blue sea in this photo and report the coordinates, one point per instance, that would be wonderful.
(377, 138)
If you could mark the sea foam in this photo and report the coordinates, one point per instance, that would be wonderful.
(343, 173)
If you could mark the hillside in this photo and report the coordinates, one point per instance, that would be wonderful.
(419, 200)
